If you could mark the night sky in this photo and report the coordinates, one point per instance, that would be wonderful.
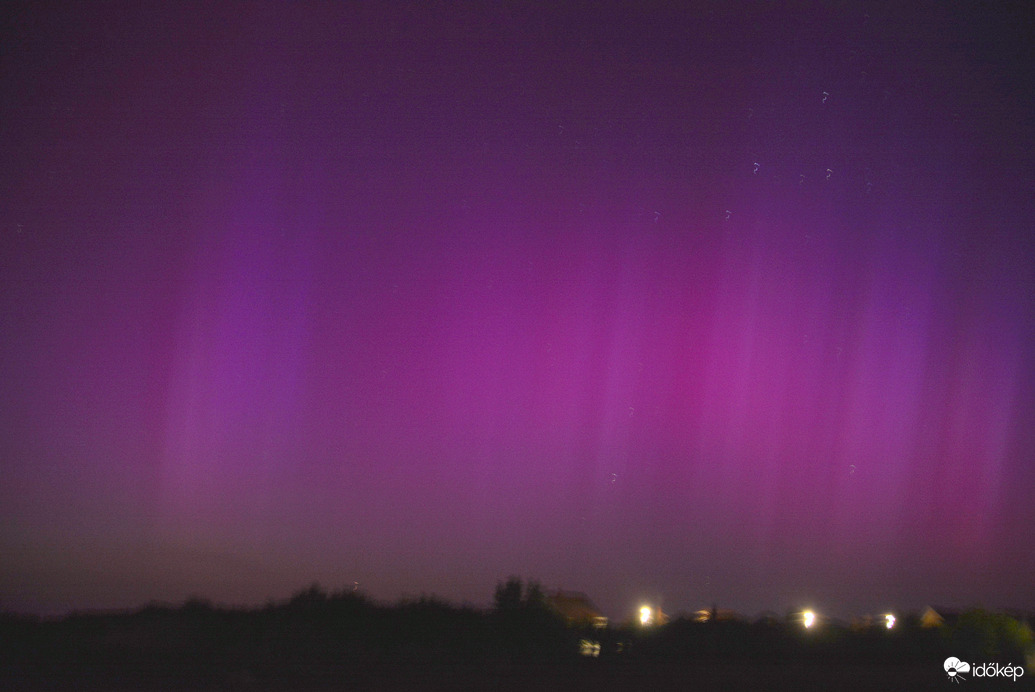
(721, 304)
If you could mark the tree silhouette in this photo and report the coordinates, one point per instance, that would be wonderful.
(526, 623)
(508, 595)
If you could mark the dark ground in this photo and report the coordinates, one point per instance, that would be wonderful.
(319, 642)
(743, 675)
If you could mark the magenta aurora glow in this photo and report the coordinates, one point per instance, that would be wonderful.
(715, 306)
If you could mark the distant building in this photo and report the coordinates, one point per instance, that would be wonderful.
(938, 618)
(714, 614)
(931, 618)
(576, 609)
(869, 622)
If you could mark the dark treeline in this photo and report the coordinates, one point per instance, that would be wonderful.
(343, 640)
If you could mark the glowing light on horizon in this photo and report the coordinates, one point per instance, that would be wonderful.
(646, 616)
(889, 621)
(808, 618)
(589, 647)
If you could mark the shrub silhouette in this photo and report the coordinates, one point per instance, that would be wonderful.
(527, 626)
(982, 635)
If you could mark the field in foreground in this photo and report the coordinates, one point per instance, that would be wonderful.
(319, 642)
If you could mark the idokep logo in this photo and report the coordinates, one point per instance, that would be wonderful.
(956, 668)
